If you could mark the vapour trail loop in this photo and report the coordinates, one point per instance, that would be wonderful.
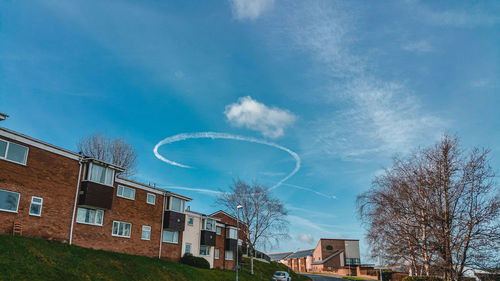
(214, 135)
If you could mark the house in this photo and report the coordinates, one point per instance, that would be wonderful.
(341, 256)
(56, 194)
(228, 238)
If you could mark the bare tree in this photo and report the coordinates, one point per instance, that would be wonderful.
(263, 214)
(116, 151)
(436, 210)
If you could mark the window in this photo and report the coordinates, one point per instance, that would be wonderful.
(204, 250)
(208, 224)
(121, 229)
(101, 174)
(188, 248)
(219, 230)
(151, 199)
(125, 192)
(13, 152)
(146, 232)
(228, 255)
(89, 216)
(36, 206)
(190, 221)
(216, 254)
(9, 201)
(176, 204)
(170, 236)
(231, 233)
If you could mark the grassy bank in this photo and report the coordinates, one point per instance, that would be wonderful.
(24, 258)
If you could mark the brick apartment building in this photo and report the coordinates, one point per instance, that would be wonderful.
(341, 256)
(56, 194)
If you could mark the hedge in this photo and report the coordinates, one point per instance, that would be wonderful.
(422, 278)
(189, 259)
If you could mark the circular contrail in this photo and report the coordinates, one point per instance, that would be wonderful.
(213, 135)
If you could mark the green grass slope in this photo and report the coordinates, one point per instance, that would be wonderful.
(24, 258)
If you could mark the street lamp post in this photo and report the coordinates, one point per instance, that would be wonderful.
(237, 236)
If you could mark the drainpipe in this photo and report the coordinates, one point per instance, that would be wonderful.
(76, 199)
(162, 219)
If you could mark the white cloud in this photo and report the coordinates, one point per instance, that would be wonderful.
(250, 9)
(249, 113)
(421, 46)
(306, 238)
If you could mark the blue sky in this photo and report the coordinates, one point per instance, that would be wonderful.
(344, 84)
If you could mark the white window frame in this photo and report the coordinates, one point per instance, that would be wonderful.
(204, 224)
(190, 247)
(89, 174)
(4, 157)
(154, 198)
(192, 220)
(216, 254)
(145, 229)
(232, 255)
(83, 222)
(218, 230)
(123, 188)
(171, 242)
(18, 200)
(228, 233)
(119, 222)
(207, 247)
(36, 203)
(183, 204)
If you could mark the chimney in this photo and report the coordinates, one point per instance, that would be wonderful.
(3, 116)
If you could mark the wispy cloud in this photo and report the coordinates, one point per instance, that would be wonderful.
(310, 212)
(306, 238)
(456, 18)
(269, 121)
(311, 190)
(422, 46)
(250, 9)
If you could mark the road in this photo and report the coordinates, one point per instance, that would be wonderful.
(322, 278)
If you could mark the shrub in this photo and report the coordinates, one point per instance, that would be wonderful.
(191, 260)
(422, 278)
(372, 272)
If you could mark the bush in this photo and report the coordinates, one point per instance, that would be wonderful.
(422, 278)
(191, 260)
(353, 278)
(372, 272)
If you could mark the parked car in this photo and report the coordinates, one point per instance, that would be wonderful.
(281, 276)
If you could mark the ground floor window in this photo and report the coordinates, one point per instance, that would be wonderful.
(9, 201)
(146, 232)
(216, 253)
(170, 236)
(36, 206)
(89, 216)
(205, 250)
(228, 255)
(122, 229)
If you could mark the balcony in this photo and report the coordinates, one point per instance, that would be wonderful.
(174, 220)
(231, 244)
(96, 195)
(207, 238)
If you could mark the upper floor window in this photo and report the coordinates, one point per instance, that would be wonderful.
(218, 230)
(9, 201)
(151, 199)
(176, 204)
(13, 152)
(231, 233)
(208, 224)
(101, 174)
(190, 221)
(125, 192)
(122, 229)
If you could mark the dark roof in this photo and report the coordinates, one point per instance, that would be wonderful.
(279, 256)
(301, 254)
(329, 257)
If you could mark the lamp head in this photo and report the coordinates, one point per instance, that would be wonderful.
(239, 207)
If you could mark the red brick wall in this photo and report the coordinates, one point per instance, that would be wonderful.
(171, 251)
(219, 244)
(138, 213)
(47, 175)
(232, 221)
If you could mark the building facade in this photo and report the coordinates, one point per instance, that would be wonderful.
(56, 194)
